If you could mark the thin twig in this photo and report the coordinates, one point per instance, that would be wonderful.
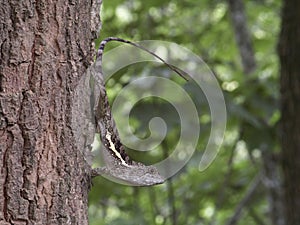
(256, 218)
(250, 192)
(171, 196)
(225, 183)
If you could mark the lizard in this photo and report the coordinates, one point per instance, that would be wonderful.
(120, 166)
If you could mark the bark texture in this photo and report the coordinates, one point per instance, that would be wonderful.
(45, 48)
(289, 53)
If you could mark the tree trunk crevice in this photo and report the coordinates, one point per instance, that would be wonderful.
(45, 48)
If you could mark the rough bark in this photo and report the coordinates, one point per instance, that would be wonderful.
(289, 45)
(45, 47)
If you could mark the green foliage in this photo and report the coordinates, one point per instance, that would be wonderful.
(194, 197)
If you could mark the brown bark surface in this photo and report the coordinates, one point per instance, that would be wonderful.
(45, 48)
(289, 52)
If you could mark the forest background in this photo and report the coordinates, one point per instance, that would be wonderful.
(238, 41)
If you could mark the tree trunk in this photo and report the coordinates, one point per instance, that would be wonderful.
(45, 48)
(242, 36)
(289, 52)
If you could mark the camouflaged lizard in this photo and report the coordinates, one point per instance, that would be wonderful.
(119, 165)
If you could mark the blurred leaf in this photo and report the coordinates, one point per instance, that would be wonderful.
(205, 28)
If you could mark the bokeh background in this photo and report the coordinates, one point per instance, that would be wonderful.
(237, 40)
